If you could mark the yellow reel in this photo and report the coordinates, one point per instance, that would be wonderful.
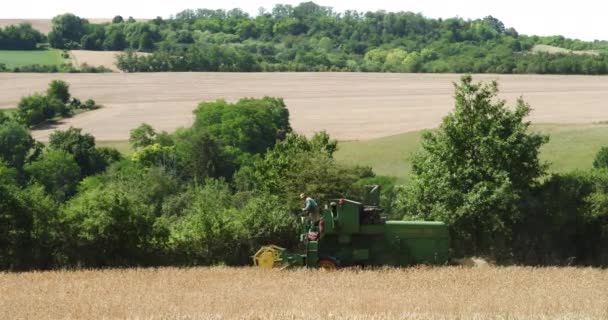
(268, 257)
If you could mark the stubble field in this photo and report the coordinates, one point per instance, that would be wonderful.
(248, 293)
(350, 106)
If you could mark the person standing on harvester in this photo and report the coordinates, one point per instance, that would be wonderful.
(310, 207)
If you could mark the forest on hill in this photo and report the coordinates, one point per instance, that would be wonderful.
(310, 37)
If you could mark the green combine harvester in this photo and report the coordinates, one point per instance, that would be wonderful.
(352, 233)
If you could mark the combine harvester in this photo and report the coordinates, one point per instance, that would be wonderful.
(352, 233)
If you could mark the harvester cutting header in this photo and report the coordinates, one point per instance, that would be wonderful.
(351, 233)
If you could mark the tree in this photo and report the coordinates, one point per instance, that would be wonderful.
(297, 165)
(35, 109)
(81, 147)
(3, 117)
(115, 219)
(20, 37)
(248, 126)
(17, 146)
(142, 136)
(59, 90)
(117, 19)
(601, 159)
(15, 228)
(201, 156)
(115, 39)
(57, 171)
(67, 31)
(208, 231)
(109, 226)
(474, 170)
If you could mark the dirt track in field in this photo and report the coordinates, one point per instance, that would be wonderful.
(348, 105)
(98, 58)
(95, 58)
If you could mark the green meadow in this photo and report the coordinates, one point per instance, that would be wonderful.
(18, 58)
(570, 147)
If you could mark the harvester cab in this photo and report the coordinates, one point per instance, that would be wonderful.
(352, 233)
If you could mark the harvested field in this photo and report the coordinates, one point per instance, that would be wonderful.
(95, 58)
(349, 106)
(247, 293)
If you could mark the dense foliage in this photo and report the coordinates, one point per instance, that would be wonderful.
(474, 170)
(564, 221)
(37, 108)
(216, 191)
(20, 37)
(181, 198)
(480, 172)
(309, 37)
(64, 67)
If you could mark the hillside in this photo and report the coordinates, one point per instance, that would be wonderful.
(309, 37)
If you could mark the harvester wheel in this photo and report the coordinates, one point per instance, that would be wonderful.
(268, 257)
(327, 265)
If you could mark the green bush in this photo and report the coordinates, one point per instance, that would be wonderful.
(59, 90)
(80, 146)
(565, 221)
(17, 147)
(208, 231)
(109, 227)
(248, 126)
(57, 171)
(35, 109)
(601, 159)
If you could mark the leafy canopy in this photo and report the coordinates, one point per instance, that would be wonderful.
(473, 171)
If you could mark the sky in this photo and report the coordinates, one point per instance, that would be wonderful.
(581, 19)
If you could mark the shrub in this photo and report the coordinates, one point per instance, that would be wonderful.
(35, 109)
(57, 171)
(60, 90)
(601, 159)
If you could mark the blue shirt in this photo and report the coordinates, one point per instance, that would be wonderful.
(310, 204)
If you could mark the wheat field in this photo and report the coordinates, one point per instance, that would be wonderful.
(249, 293)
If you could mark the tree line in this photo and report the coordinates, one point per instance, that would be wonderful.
(62, 68)
(309, 37)
(20, 37)
(213, 193)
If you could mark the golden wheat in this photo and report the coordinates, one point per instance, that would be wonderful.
(248, 293)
